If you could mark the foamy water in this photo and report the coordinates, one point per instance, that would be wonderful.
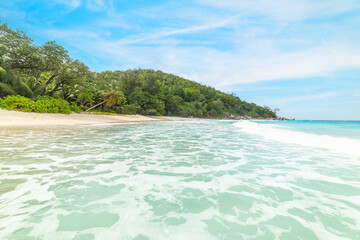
(273, 132)
(179, 180)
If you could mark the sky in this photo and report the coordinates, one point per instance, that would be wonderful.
(301, 56)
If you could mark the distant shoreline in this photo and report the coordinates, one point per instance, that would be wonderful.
(32, 119)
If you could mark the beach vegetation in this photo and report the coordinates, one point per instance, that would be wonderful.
(110, 99)
(42, 105)
(54, 82)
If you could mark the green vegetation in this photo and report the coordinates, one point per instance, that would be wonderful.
(45, 79)
(42, 105)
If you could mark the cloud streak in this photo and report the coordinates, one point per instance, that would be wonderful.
(309, 97)
(71, 3)
(66, 34)
(232, 42)
(224, 69)
(163, 33)
(284, 10)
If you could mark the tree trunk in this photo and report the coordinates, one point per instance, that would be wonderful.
(95, 106)
(54, 90)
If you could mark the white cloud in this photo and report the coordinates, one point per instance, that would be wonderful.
(254, 51)
(114, 21)
(96, 5)
(356, 94)
(285, 10)
(219, 43)
(288, 65)
(70, 34)
(223, 69)
(309, 97)
(169, 32)
(71, 3)
(5, 13)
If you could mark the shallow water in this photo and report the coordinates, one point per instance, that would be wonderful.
(180, 180)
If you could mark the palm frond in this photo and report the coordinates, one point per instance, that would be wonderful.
(26, 89)
(31, 82)
(8, 89)
(38, 89)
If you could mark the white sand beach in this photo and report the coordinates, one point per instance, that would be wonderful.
(24, 119)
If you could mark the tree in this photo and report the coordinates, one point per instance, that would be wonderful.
(18, 52)
(72, 74)
(30, 70)
(111, 98)
(129, 80)
(55, 60)
(192, 94)
(85, 96)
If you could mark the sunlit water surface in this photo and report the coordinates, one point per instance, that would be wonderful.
(181, 180)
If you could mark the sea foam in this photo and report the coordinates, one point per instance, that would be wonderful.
(188, 180)
(276, 133)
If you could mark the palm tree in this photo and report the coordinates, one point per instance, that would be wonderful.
(111, 98)
(11, 84)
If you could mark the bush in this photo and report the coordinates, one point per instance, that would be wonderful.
(131, 109)
(74, 108)
(52, 105)
(43, 105)
(151, 112)
(12, 102)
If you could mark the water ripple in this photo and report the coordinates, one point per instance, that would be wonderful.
(178, 180)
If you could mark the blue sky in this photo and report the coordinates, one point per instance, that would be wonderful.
(302, 56)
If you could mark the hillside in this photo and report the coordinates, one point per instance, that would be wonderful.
(42, 73)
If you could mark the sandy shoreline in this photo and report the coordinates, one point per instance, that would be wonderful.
(31, 119)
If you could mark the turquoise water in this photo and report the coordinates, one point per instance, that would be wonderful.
(349, 129)
(182, 180)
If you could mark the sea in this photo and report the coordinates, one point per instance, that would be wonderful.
(182, 180)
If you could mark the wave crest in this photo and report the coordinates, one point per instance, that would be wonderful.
(270, 132)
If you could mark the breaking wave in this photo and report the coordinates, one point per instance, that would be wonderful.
(275, 133)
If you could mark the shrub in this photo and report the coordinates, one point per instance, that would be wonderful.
(52, 105)
(2, 103)
(151, 112)
(43, 105)
(131, 109)
(12, 102)
(74, 108)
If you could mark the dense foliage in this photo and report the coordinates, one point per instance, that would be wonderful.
(36, 72)
(42, 105)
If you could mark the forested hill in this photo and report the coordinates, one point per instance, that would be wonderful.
(46, 74)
